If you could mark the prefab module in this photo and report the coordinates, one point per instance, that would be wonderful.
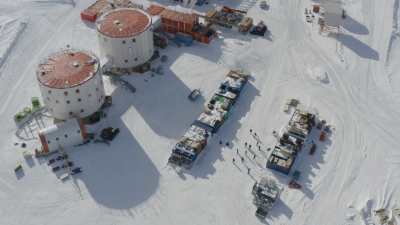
(66, 134)
(71, 84)
(126, 37)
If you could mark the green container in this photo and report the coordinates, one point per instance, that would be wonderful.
(35, 103)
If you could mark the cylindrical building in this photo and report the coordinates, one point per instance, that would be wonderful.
(71, 84)
(126, 37)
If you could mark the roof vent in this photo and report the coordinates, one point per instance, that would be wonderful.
(75, 64)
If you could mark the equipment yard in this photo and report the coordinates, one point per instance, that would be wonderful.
(293, 104)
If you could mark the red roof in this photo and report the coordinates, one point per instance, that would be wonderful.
(67, 69)
(155, 10)
(122, 23)
(177, 16)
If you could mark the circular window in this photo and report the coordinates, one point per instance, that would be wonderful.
(56, 101)
(126, 61)
(82, 110)
(71, 113)
(77, 91)
(68, 101)
(79, 100)
(65, 93)
(66, 136)
(123, 42)
(49, 91)
(57, 138)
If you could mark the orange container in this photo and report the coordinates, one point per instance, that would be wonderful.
(322, 136)
(316, 9)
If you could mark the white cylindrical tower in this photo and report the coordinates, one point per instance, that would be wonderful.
(125, 37)
(71, 84)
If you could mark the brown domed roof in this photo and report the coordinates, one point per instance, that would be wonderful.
(67, 68)
(122, 23)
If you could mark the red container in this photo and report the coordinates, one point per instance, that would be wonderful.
(89, 16)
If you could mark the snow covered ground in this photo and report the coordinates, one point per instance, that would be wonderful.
(352, 174)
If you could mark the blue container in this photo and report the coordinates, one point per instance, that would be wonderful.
(185, 39)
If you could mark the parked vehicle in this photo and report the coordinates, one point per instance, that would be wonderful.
(76, 171)
(18, 167)
(194, 94)
(109, 133)
(259, 29)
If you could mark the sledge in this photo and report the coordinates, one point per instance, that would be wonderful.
(294, 185)
(51, 161)
(313, 148)
(61, 157)
(68, 164)
(27, 154)
(55, 169)
(64, 176)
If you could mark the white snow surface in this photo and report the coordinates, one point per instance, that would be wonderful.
(353, 173)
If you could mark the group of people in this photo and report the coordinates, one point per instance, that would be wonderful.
(248, 147)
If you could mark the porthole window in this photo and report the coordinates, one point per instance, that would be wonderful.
(49, 91)
(78, 131)
(71, 113)
(65, 135)
(56, 101)
(77, 91)
(135, 59)
(123, 42)
(48, 142)
(79, 100)
(82, 110)
(133, 40)
(68, 102)
(65, 93)
(57, 139)
(126, 61)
